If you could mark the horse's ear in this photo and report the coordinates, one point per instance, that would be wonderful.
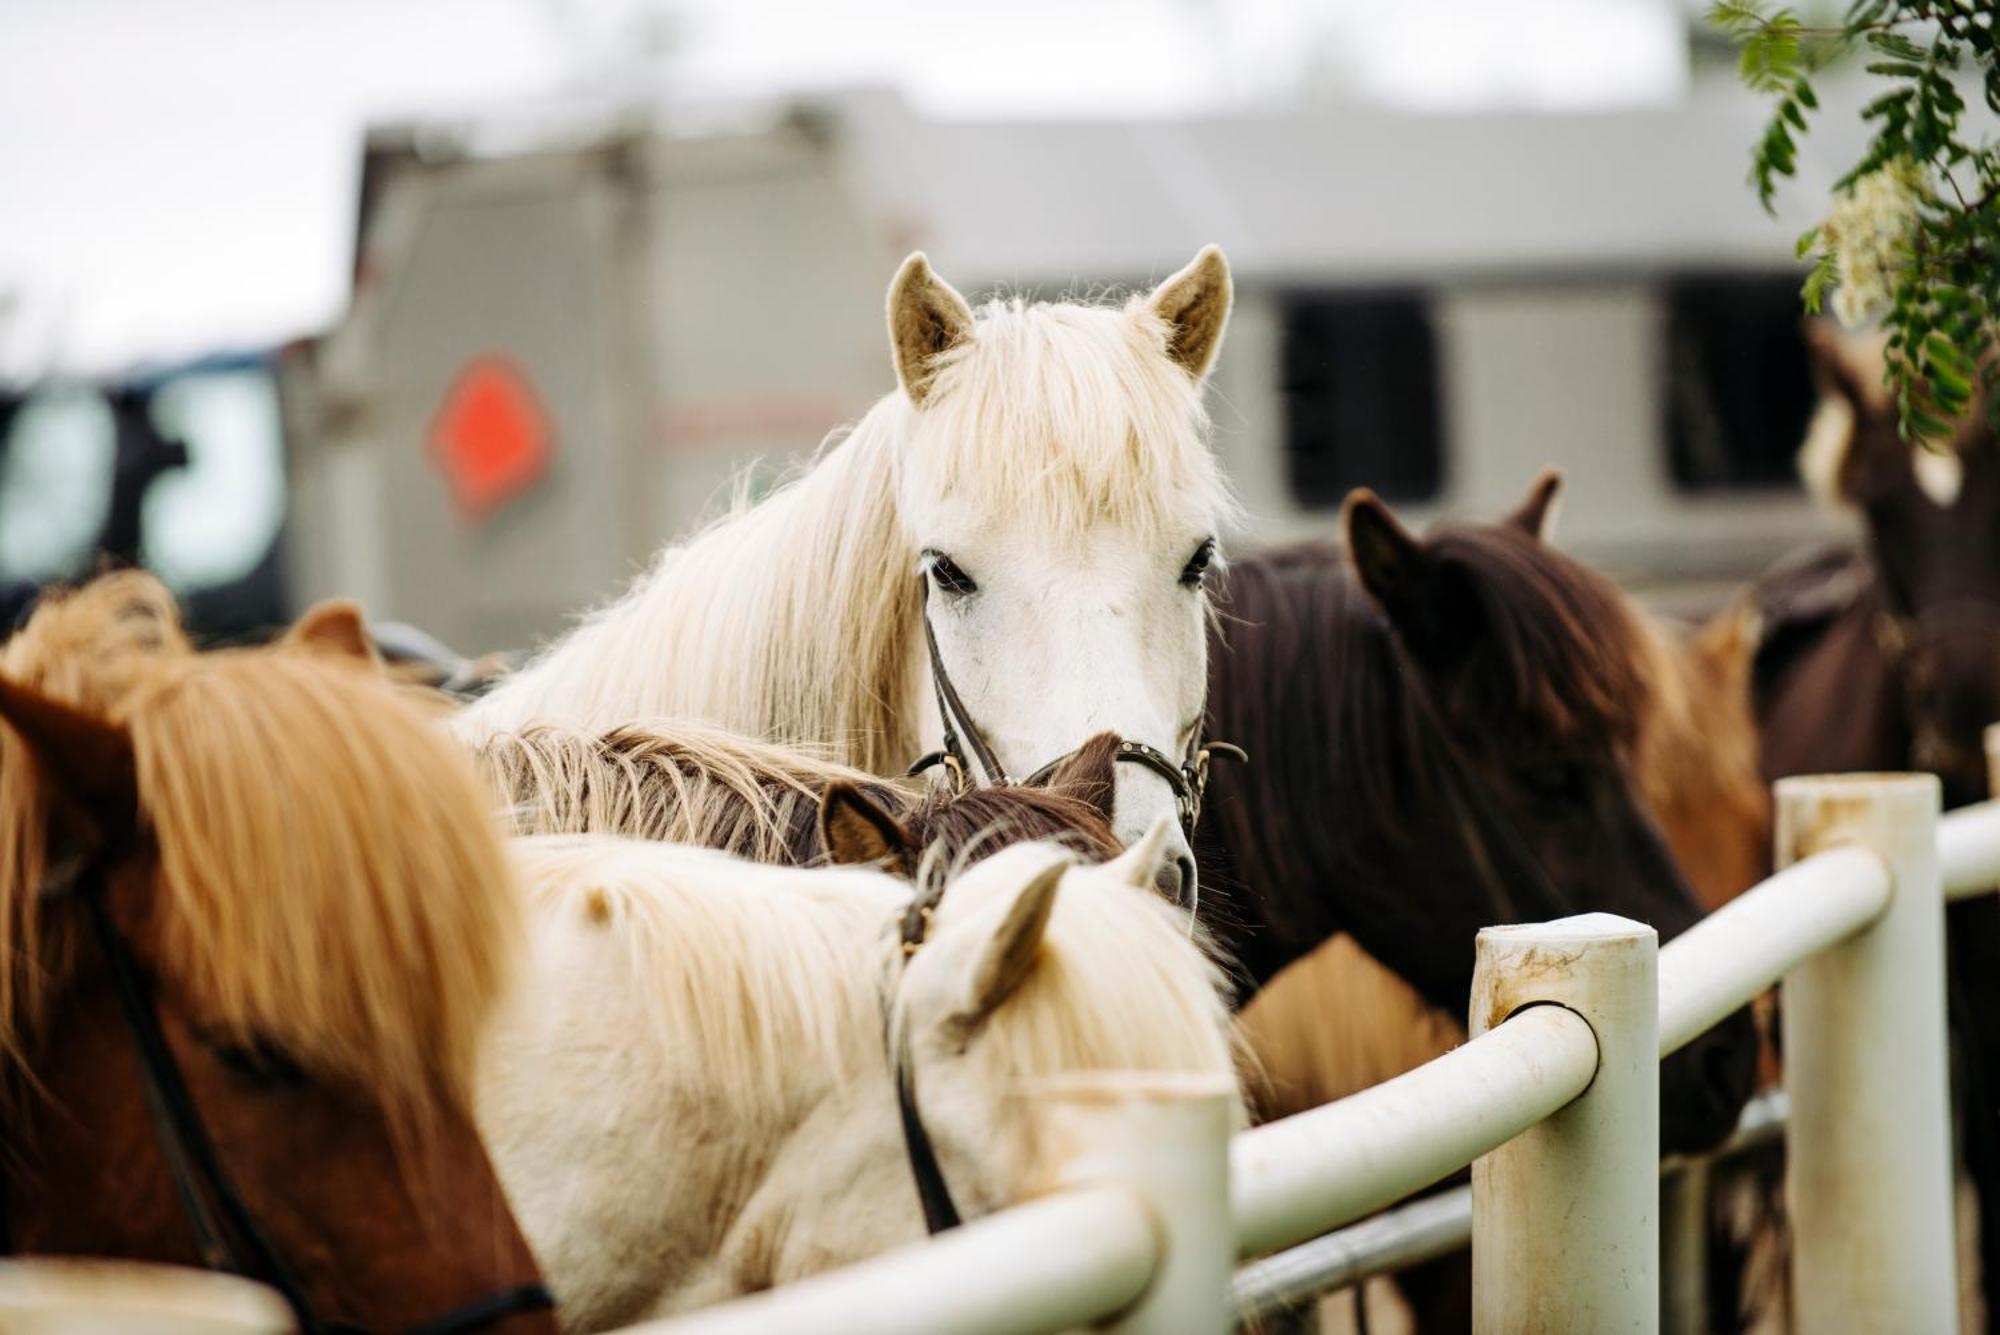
(1424, 601)
(1852, 452)
(89, 760)
(1090, 774)
(855, 828)
(1139, 865)
(1536, 516)
(1007, 956)
(1194, 305)
(1387, 558)
(336, 627)
(1852, 366)
(927, 318)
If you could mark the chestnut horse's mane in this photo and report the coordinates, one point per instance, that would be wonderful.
(329, 878)
(691, 783)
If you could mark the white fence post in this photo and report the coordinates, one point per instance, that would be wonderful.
(1868, 1171)
(1166, 1137)
(1566, 1216)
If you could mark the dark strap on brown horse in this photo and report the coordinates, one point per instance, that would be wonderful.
(198, 1174)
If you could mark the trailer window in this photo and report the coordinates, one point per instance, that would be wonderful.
(1738, 389)
(1360, 394)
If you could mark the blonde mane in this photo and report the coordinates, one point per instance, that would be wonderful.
(84, 647)
(751, 972)
(328, 876)
(747, 972)
(798, 619)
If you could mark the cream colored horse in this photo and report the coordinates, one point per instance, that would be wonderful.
(1039, 486)
(690, 1098)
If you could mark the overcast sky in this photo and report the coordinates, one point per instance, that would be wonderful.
(176, 177)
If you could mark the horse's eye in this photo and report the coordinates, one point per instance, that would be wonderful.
(1196, 570)
(258, 1061)
(950, 579)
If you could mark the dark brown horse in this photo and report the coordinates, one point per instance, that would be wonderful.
(1889, 659)
(1445, 732)
(280, 861)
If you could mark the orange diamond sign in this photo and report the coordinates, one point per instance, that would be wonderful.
(491, 439)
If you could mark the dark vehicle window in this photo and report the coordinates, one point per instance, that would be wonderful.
(209, 526)
(1738, 386)
(1361, 397)
(55, 482)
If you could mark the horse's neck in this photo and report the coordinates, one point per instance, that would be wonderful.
(845, 1149)
(1837, 706)
(795, 622)
(617, 1130)
(1286, 833)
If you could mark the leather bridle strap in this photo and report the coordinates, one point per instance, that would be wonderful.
(958, 724)
(933, 1192)
(1188, 777)
(197, 1171)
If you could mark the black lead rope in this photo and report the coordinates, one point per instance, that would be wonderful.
(192, 1161)
(933, 1192)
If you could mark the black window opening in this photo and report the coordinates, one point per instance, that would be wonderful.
(1360, 392)
(1739, 388)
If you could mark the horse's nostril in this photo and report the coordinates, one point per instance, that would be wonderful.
(1175, 880)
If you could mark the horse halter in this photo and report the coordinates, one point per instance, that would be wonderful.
(207, 1195)
(933, 1192)
(1187, 777)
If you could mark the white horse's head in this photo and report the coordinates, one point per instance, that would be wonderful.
(1056, 482)
(1037, 967)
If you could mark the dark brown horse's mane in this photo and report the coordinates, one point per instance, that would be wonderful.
(697, 785)
(1532, 645)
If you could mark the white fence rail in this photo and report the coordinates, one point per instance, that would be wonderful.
(1565, 1015)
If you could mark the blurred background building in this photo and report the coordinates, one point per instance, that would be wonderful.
(464, 308)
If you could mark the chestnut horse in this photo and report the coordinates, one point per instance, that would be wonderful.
(273, 879)
(1889, 659)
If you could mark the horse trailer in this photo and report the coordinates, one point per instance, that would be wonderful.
(567, 346)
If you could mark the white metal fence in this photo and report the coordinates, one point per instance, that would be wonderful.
(1164, 1223)
(1554, 1104)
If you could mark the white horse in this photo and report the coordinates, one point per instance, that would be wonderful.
(1039, 488)
(690, 1097)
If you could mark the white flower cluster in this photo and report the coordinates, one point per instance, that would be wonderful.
(1868, 234)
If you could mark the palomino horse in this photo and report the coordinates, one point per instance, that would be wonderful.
(1890, 659)
(691, 784)
(694, 1098)
(269, 876)
(1004, 556)
(1448, 733)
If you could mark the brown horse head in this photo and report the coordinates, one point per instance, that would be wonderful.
(871, 825)
(1933, 524)
(303, 877)
(1446, 734)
